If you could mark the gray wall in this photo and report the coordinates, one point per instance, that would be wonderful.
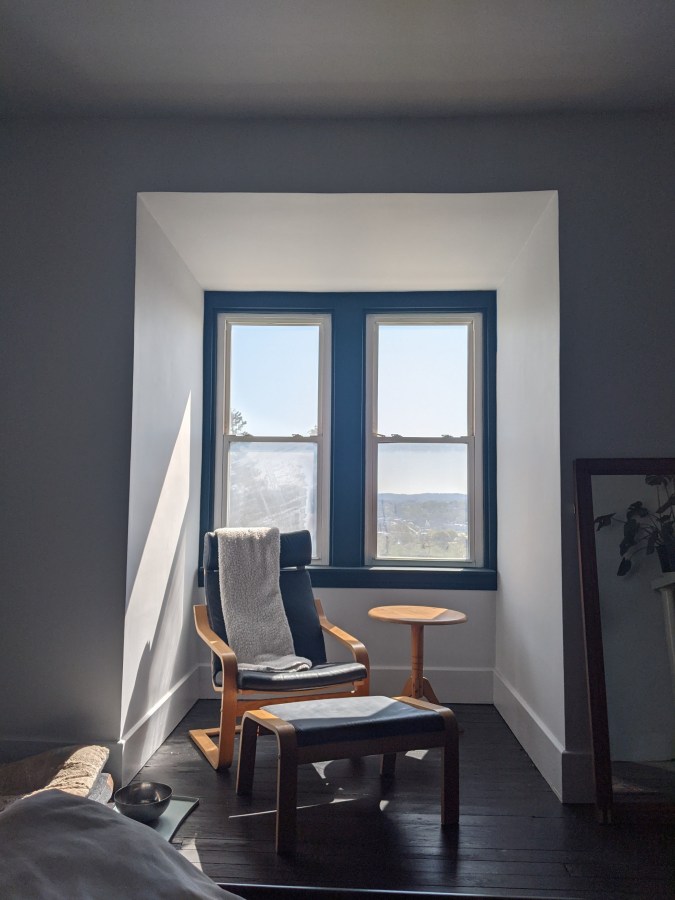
(68, 201)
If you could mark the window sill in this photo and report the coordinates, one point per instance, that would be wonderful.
(404, 578)
(397, 577)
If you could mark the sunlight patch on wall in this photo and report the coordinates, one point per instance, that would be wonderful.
(149, 592)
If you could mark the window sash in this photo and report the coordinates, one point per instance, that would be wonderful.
(473, 440)
(322, 439)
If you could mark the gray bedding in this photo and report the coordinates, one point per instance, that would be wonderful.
(59, 847)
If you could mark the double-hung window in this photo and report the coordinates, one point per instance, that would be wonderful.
(423, 438)
(273, 444)
(366, 418)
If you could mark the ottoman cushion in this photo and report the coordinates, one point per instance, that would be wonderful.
(354, 719)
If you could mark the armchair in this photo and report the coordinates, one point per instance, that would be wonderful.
(245, 690)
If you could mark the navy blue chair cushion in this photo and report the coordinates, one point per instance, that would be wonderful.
(295, 549)
(296, 592)
(354, 719)
(322, 675)
(303, 619)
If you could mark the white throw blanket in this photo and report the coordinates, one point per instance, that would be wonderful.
(255, 619)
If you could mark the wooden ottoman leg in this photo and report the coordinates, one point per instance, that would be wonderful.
(388, 765)
(287, 787)
(450, 771)
(247, 746)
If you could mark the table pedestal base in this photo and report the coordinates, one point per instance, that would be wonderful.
(424, 691)
(417, 686)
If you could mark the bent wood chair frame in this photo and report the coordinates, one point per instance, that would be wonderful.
(217, 744)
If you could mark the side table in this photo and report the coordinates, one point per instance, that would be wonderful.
(417, 617)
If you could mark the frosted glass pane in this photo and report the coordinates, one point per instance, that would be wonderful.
(422, 380)
(273, 484)
(274, 379)
(422, 502)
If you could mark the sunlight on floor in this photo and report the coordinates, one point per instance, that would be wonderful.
(273, 812)
(417, 754)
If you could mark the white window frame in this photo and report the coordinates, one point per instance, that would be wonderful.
(322, 439)
(473, 439)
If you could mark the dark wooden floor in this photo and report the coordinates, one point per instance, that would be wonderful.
(515, 839)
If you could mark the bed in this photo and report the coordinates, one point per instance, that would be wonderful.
(58, 846)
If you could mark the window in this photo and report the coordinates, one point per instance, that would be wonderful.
(273, 397)
(424, 412)
(367, 418)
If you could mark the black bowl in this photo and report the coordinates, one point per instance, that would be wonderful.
(144, 801)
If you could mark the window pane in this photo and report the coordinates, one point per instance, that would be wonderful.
(422, 502)
(273, 484)
(274, 379)
(422, 380)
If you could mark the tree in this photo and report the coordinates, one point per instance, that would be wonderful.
(237, 423)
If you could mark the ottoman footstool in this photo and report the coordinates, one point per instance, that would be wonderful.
(316, 730)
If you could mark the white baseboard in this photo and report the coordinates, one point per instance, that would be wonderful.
(146, 735)
(568, 773)
(543, 748)
(450, 685)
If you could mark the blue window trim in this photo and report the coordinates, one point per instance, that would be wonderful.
(349, 311)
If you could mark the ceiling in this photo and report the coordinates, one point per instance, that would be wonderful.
(334, 57)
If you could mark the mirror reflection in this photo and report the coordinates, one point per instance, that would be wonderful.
(633, 517)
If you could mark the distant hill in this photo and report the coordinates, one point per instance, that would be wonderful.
(422, 510)
(424, 497)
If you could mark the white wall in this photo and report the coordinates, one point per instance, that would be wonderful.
(424, 242)
(529, 692)
(160, 672)
(458, 659)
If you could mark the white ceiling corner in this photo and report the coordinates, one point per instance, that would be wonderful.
(249, 241)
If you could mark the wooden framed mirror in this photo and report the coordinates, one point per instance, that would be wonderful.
(623, 511)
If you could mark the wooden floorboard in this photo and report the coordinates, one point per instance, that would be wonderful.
(515, 839)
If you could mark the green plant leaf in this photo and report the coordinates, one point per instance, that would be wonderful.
(670, 502)
(656, 480)
(603, 521)
(624, 566)
(630, 529)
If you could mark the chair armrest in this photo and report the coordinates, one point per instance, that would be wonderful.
(216, 644)
(358, 649)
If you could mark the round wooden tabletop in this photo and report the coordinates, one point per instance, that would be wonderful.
(417, 615)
